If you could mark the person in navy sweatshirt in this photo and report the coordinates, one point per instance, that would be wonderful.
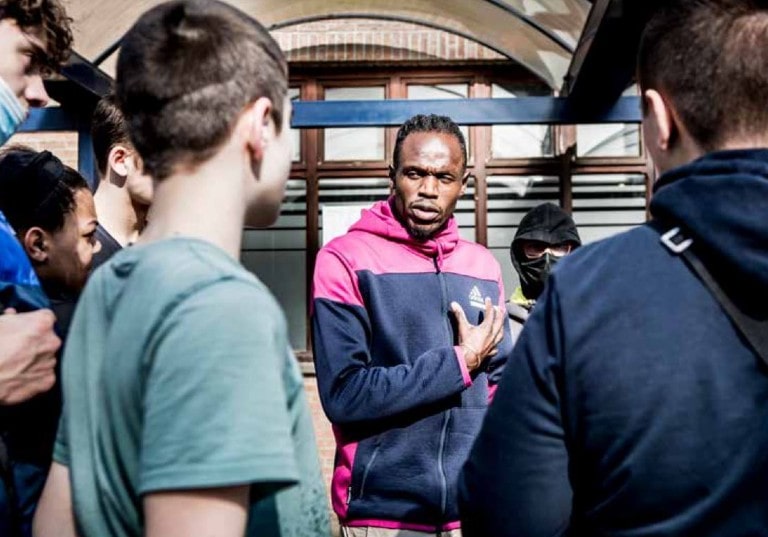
(409, 338)
(632, 405)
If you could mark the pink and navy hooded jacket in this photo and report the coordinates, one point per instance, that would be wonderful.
(391, 376)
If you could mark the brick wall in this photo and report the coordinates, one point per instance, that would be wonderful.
(362, 40)
(61, 144)
(326, 444)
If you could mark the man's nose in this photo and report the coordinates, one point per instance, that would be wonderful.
(35, 93)
(429, 187)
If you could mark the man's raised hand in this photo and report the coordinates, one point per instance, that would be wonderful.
(481, 341)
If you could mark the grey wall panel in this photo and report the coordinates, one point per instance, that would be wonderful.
(284, 274)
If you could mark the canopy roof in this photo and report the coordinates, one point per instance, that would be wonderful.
(539, 34)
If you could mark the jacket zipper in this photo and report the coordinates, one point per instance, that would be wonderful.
(447, 415)
(443, 479)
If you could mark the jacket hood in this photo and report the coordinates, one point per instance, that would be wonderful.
(546, 223)
(721, 202)
(380, 220)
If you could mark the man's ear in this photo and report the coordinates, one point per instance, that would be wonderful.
(464, 181)
(660, 122)
(36, 244)
(392, 176)
(260, 126)
(118, 160)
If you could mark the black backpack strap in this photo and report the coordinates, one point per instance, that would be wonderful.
(755, 331)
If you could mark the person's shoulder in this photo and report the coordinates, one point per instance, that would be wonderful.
(474, 249)
(352, 241)
(358, 249)
(176, 267)
(633, 242)
(182, 257)
(616, 260)
(473, 259)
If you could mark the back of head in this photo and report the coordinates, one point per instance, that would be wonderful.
(36, 189)
(52, 21)
(428, 123)
(708, 58)
(186, 71)
(108, 128)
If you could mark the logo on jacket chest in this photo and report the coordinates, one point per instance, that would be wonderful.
(476, 298)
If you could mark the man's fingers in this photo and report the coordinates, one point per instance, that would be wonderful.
(46, 362)
(492, 317)
(49, 343)
(9, 311)
(458, 311)
(489, 311)
(499, 325)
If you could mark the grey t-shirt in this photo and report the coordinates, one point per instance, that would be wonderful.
(178, 375)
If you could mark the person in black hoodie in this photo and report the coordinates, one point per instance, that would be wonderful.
(632, 405)
(546, 234)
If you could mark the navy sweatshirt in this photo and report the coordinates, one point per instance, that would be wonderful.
(631, 405)
(391, 377)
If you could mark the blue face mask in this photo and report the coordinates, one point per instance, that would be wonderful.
(12, 113)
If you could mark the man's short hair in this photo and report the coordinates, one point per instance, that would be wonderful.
(709, 58)
(186, 71)
(48, 15)
(428, 123)
(36, 188)
(108, 129)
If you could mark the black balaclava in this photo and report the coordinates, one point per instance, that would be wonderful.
(546, 223)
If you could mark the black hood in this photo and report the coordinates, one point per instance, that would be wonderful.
(547, 223)
(721, 201)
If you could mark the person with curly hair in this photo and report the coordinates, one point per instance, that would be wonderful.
(35, 39)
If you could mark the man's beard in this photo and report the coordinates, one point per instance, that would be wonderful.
(420, 234)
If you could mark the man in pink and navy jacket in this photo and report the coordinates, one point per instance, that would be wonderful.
(409, 339)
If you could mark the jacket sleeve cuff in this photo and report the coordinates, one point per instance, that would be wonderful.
(463, 366)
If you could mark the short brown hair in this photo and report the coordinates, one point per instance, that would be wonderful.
(186, 71)
(51, 18)
(108, 128)
(708, 58)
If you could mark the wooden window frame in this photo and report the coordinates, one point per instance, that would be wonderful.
(313, 80)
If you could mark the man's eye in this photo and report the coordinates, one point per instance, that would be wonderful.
(37, 65)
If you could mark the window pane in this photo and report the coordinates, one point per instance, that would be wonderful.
(608, 140)
(519, 141)
(509, 198)
(443, 91)
(278, 256)
(607, 204)
(465, 212)
(354, 143)
(344, 199)
(293, 94)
